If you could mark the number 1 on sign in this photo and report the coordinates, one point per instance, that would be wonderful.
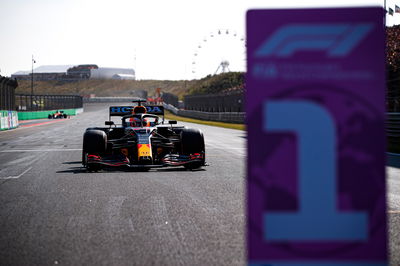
(318, 218)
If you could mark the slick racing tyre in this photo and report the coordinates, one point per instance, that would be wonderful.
(192, 141)
(94, 142)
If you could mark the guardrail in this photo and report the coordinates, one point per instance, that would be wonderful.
(392, 122)
(25, 102)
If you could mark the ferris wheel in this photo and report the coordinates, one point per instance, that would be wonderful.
(223, 50)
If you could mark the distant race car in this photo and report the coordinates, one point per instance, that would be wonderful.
(57, 114)
(142, 141)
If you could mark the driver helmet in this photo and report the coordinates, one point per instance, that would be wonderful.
(137, 110)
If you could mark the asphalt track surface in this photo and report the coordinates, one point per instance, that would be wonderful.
(52, 212)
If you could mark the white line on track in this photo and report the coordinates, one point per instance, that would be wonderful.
(39, 150)
(15, 177)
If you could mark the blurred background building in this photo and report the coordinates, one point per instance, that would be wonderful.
(74, 73)
(112, 73)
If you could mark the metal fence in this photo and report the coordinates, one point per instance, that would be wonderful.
(229, 117)
(24, 102)
(7, 93)
(170, 98)
(393, 131)
(393, 94)
(229, 101)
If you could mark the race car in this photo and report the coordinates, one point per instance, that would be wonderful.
(57, 114)
(143, 140)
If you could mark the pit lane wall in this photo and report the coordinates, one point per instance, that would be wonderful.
(45, 114)
(8, 120)
(228, 117)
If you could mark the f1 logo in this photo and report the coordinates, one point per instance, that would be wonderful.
(338, 40)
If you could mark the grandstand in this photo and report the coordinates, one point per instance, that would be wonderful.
(80, 71)
(393, 68)
(393, 46)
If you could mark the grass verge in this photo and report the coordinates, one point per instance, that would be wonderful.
(171, 116)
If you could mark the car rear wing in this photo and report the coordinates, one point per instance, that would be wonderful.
(126, 110)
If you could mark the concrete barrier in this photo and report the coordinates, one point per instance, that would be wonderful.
(8, 120)
(45, 114)
(228, 117)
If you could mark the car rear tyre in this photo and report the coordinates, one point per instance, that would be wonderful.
(192, 141)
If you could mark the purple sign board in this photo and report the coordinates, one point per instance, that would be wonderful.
(316, 141)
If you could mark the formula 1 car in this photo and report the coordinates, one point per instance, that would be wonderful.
(142, 141)
(57, 114)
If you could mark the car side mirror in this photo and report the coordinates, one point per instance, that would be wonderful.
(172, 122)
(109, 123)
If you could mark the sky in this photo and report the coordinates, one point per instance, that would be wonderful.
(159, 39)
